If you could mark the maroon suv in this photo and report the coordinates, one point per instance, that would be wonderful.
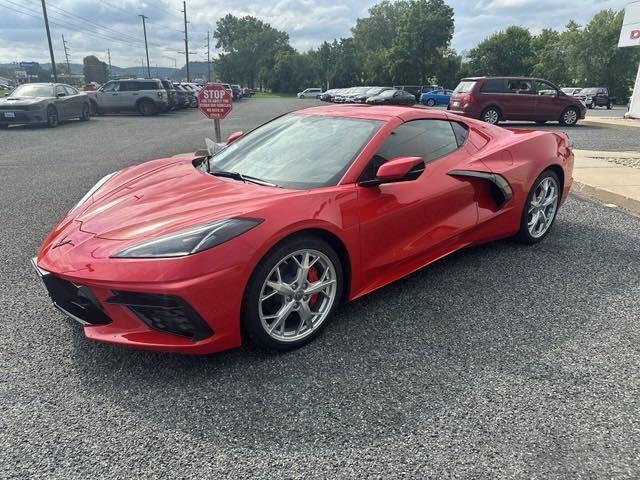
(493, 99)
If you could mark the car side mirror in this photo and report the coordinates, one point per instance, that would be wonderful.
(234, 136)
(61, 95)
(399, 169)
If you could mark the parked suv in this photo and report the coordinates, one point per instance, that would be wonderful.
(172, 100)
(494, 99)
(598, 97)
(144, 95)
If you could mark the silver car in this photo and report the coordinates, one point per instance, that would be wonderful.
(45, 103)
(144, 95)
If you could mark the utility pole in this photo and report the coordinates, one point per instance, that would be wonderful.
(146, 47)
(46, 25)
(66, 54)
(208, 58)
(109, 55)
(186, 38)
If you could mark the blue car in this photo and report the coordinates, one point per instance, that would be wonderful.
(436, 97)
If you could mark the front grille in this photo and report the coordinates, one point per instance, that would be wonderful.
(75, 300)
(167, 313)
(18, 116)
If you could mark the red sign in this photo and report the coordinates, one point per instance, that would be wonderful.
(214, 101)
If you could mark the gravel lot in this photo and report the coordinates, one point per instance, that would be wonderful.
(501, 361)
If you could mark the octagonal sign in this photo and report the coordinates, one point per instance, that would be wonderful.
(214, 101)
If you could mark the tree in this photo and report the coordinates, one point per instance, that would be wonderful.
(249, 49)
(508, 52)
(403, 42)
(95, 70)
(551, 55)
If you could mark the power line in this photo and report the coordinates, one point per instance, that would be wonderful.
(69, 24)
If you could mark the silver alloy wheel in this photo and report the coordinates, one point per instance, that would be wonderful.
(297, 295)
(542, 207)
(570, 117)
(491, 116)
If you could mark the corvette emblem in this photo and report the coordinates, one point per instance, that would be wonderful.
(62, 242)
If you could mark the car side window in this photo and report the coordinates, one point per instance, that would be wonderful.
(60, 90)
(544, 88)
(128, 86)
(461, 132)
(111, 87)
(70, 90)
(524, 87)
(493, 85)
(428, 139)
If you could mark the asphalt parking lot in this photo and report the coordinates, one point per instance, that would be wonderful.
(501, 361)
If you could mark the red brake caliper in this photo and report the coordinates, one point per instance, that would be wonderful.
(312, 277)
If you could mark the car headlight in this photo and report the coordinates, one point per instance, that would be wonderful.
(191, 240)
(93, 190)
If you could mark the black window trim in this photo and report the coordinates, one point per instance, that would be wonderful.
(360, 179)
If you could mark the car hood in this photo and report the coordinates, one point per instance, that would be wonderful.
(8, 101)
(168, 196)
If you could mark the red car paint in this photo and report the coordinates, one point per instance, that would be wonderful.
(385, 231)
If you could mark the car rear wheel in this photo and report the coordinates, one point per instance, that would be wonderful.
(52, 117)
(569, 117)
(86, 113)
(540, 208)
(147, 107)
(292, 293)
(431, 102)
(490, 115)
(609, 106)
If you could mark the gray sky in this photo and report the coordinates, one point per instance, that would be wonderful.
(308, 22)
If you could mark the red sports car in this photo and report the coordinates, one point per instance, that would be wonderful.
(264, 239)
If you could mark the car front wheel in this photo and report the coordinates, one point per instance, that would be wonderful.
(292, 293)
(490, 115)
(569, 117)
(540, 208)
(147, 107)
(431, 102)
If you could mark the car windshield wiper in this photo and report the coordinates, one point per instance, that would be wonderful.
(242, 178)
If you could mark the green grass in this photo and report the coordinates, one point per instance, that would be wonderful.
(272, 95)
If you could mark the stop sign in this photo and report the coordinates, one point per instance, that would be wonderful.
(214, 101)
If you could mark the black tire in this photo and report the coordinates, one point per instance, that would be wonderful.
(52, 117)
(591, 105)
(569, 117)
(523, 235)
(431, 102)
(251, 322)
(609, 106)
(3, 126)
(491, 115)
(86, 113)
(541, 122)
(147, 108)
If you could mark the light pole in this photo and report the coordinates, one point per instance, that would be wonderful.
(46, 25)
(146, 47)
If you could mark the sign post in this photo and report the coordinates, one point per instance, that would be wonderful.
(630, 37)
(214, 102)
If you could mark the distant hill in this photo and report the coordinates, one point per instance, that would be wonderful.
(197, 70)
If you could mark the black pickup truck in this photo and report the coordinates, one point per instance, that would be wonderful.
(598, 97)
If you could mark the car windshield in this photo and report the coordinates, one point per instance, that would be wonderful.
(464, 86)
(298, 151)
(33, 90)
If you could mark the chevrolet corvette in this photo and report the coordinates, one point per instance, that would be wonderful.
(262, 240)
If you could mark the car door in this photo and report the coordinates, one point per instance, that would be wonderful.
(129, 93)
(76, 102)
(524, 99)
(549, 107)
(405, 222)
(62, 102)
(107, 96)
